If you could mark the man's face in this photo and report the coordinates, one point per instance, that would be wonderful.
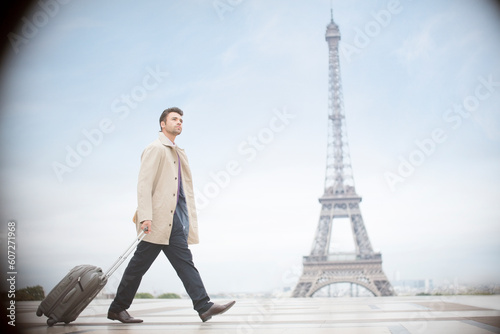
(173, 124)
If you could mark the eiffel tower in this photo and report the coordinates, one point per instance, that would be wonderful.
(323, 267)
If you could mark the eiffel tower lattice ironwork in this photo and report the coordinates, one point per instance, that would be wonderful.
(325, 266)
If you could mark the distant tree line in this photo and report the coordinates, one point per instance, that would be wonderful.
(34, 293)
(29, 293)
(147, 295)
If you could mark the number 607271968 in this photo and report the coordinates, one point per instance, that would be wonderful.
(11, 245)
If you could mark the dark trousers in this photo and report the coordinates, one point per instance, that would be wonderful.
(181, 259)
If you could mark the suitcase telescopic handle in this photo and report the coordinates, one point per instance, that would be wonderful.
(124, 256)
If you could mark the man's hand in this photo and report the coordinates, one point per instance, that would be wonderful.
(146, 224)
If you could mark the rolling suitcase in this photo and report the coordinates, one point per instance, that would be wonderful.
(77, 289)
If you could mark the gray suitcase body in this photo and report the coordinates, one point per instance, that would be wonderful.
(72, 294)
(77, 289)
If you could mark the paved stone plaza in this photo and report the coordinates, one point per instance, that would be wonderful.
(396, 315)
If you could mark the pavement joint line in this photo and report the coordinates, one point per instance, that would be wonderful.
(297, 322)
(482, 325)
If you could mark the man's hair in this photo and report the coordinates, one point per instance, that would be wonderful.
(164, 114)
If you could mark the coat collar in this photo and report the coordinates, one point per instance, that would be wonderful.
(165, 141)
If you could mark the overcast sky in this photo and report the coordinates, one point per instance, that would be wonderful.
(85, 82)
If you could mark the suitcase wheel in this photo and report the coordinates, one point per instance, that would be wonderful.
(39, 312)
(51, 322)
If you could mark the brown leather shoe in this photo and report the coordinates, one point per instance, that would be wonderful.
(216, 309)
(124, 317)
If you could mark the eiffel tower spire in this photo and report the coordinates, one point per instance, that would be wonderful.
(338, 177)
(323, 266)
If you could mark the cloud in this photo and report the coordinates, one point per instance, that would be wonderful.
(421, 45)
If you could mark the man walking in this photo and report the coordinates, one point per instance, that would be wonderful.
(166, 208)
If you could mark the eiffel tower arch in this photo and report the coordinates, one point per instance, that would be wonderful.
(324, 267)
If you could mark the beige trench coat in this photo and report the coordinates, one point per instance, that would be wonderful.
(157, 191)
